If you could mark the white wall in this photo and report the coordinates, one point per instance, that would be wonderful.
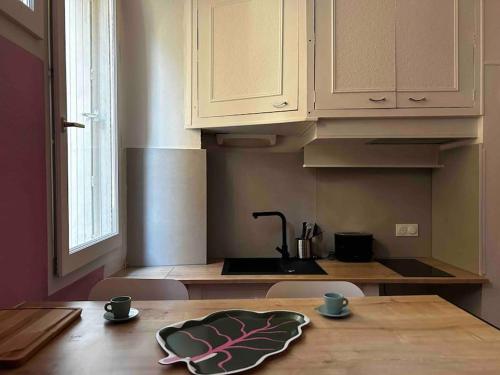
(166, 168)
(456, 195)
(166, 207)
(152, 64)
(491, 293)
(338, 199)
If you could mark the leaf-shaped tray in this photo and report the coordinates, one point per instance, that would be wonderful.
(229, 341)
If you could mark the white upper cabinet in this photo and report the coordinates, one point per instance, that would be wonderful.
(405, 53)
(435, 48)
(260, 62)
(355, 54)
(247, 57)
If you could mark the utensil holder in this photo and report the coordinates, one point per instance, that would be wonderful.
(304, 248)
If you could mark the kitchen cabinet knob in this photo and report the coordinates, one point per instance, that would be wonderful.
(376, 100)
(422, 99)
(280, 105)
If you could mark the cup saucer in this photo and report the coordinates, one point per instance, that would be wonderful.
(342, 314)
(131, 315)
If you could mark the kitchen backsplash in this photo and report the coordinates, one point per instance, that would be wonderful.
(371, 200)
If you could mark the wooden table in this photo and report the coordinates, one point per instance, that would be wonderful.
(385, 335)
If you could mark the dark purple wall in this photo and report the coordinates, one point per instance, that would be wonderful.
(23, 191)
(23, 199)
(80, 289)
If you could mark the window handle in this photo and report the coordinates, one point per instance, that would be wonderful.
(280, 105)
(422, 99)
(69, 124)
(377, 99)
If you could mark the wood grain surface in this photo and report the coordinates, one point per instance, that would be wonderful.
(363, 273)
(24, 331)
(410, 335)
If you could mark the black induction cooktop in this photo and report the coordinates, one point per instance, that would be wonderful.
(412, 268)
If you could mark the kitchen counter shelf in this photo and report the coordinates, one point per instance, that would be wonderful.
(363, 273)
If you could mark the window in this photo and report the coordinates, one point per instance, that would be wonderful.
(87, 197)
(90, 100)
(27, 13)
(29, 3)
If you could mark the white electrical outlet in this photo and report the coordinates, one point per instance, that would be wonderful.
(406, 230)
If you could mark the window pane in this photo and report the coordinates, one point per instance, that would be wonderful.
(29, 3)
(90, 80)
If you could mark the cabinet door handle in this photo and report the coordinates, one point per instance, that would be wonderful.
(376, 100)
(421, 99)
(280, 105)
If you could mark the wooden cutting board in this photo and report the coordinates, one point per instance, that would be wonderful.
(24, 331)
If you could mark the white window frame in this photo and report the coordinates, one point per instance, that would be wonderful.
(30, 19)
(66, 261)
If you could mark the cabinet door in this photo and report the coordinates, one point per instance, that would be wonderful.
(247, 56)
(355, 54)
(435, 53)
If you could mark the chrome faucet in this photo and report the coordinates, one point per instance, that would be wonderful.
(283, 250)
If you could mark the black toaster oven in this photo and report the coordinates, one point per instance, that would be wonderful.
(353, 246)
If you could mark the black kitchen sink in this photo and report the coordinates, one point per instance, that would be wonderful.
(271, 266)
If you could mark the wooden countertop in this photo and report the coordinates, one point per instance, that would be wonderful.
(411, 335)
(362, 273)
